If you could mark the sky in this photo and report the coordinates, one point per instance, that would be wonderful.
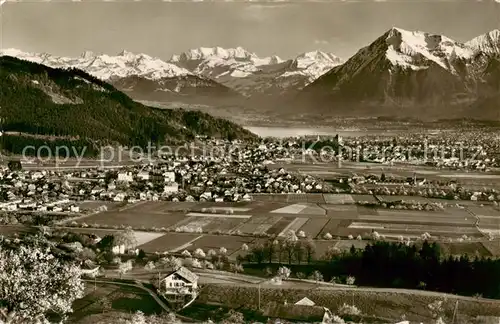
(162, 29)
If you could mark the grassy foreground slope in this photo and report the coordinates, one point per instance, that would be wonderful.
(386, 306)
(71, 104)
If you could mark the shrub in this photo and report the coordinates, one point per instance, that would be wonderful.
(198, 253)
(284, 272)
(350, 310)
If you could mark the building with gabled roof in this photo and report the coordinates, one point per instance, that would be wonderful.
(180, 281)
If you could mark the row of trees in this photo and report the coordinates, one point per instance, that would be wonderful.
(388, 264)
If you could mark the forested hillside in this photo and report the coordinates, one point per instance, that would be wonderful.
(36, 99)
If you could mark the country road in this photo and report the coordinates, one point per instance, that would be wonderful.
(142, 287)
(137, 285)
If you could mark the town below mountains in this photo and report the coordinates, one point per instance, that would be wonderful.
(401, 73)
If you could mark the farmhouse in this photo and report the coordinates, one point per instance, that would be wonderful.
(179, 281)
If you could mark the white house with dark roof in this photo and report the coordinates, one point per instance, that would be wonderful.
(179, 281)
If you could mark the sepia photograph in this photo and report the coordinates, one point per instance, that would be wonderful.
(265, 161)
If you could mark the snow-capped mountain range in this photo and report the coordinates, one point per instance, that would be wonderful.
(403, 70)
(235, 68)
(107, 67)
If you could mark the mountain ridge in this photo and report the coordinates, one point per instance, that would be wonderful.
(408, 73)
(37, 99)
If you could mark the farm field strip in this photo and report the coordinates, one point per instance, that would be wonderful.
(314, 226)
(316, 198)
(366, 225)
(135, 220)
(451, 229)
(96, 204)
(411, 219)
(489, 222)
(231, 243)
(262, 228)
(181, 205)
(294, 225)
(270, 198)
(343, 214)
(193, 223)
(362, 198)
(403, 198)
(338, 199)
(493, 247)
(487, 231)
(218, 215)
(168, 242)
(183, 221)
(249, 228)
(186, 245)
(145, 237)
(222, 224)
(144, 206)
(257, 220)
(280, 225)
(362, 210)
(339, 208)
(235, 209)
(291, 209)
(484, 211)
(313, 210)
(296, 197)
(434, 232)
(331, 227)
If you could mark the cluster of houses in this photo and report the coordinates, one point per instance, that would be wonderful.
(231, 177)
(464, 150)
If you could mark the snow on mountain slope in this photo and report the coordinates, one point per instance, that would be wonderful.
(312, 65)
(488, 43)
(403, 70)
(415, 49)
(249, 74)
(107, 67)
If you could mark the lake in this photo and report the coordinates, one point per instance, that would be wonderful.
(313, 131)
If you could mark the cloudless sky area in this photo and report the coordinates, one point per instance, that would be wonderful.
(288, 29)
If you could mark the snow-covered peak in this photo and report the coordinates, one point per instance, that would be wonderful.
(203, 53)
(87, 55)
(13, 52)
(488, 43)
(107, 67)
(313, 64)
(405, 47)
(316, 57)
(266, 60)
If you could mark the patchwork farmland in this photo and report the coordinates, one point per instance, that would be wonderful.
(180, 226)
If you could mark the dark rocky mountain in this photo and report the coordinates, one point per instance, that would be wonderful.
(405, 73)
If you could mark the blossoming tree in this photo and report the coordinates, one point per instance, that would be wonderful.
(33, 281)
